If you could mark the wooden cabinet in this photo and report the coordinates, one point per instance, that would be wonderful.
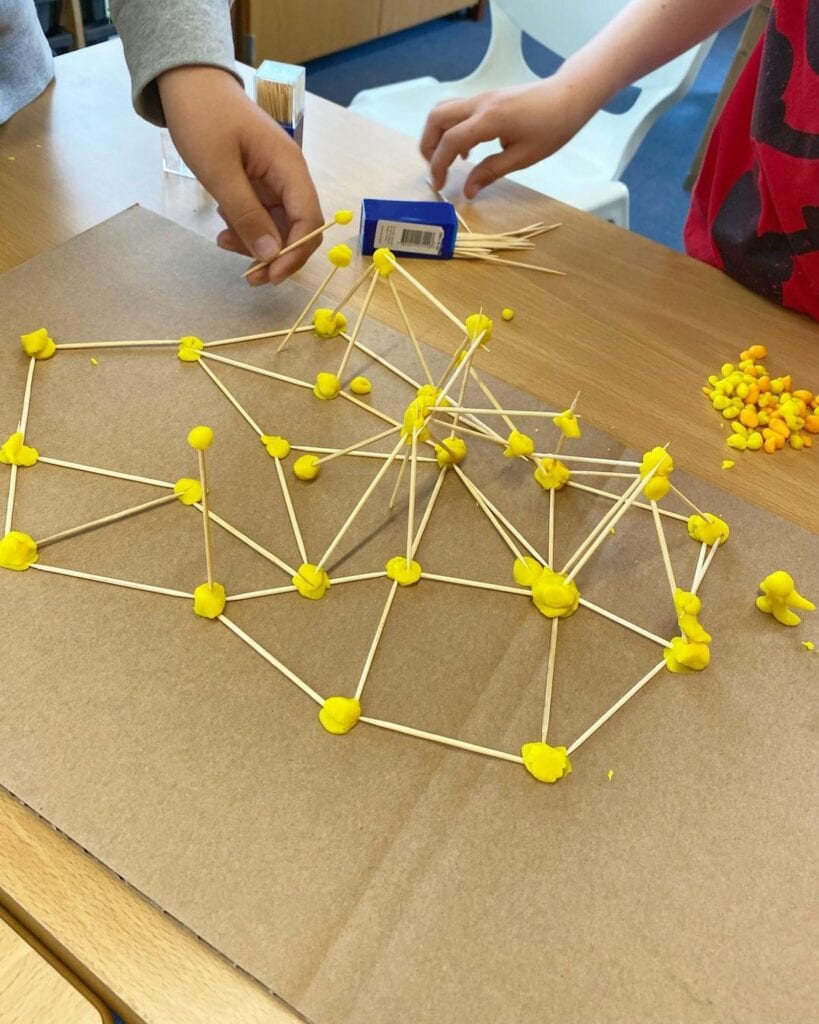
(298, 30)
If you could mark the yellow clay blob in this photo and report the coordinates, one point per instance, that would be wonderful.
(527, 572)
(507, 313)
(17, 551)
(728, 463)
(554, 596)
(340, 714)
(688, 608)
(382, 261)
(340, 255)
(188, 490)
(658, 486)
(552, 474)
(276, 447)
(809, 645)
(209, 600)
(328, 324)
(567, 423)
(417, 412)
(779, 595)
(404, 573)
(685, 656)
(15, 453)
(311, 581)
(95, 361)
(709, 529)
(361, 385)
(545, 763)
(200, 438)
(327, 386)
(38, 344)
(343, 216)
(190, 348)
(306, 467)
(476, 324)
(453, 454)
(518, 445)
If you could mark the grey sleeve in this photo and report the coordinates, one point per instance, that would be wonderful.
(164, 35)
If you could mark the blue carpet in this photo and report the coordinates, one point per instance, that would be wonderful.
(451, 48)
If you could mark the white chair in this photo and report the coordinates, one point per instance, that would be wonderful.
(585, 173)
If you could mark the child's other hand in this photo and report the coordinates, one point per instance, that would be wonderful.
(251, 167)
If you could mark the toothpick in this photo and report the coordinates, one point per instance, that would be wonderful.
(254, 337)
(669, 571)
(105, 520)
(456, 373)
(361, 502)
(495, 411)
(473, 433)
(21, 428)
(550, 678)
(371, 409)
(592, 729)
(705, 566)
(551, 561)
(104, 472)
(316, 449)
(700, 560)
(291, 512)
(624, 622)
(476, 584)
(324, 284)
(506, 522)
(586, 458)
(127, 584)
(359, 321)
(482, 503)
(358, 578)
(398, 480)
(268, 657)
(356, 445)
(498, 407)
(384, 362)
(614, 497)
(272, 592)
(428, 295)
(359, 281)
(562, 439)
(437, 192)
(409, 330)
(436, 490)
(66, 347)
(379, 630)
(602, 472)
(289, 248)
(203, 479)
(247, 540)
(445, 740)
(254, 426)
(687, 501)
(256, 369)
(603, 526)
(23, 424)
(512, 263)
(412, 488)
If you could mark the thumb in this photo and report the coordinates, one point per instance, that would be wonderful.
(246, 215)
(494, 167)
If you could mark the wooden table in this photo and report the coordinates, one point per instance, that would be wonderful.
(635, 326)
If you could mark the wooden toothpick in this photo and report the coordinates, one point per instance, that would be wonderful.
(254, 426)
(291, 512)
(428, 295)
(669, 571)
(445, 740)
(21, 429)
(272, 660)
(550, 678)
(379, 631)
(203, 479)
(253, 337)
(105, 520)
(614, 497)
(357, 445)
(324, 284)
(104, 472)
(624, 622)
(592, 729)
(412, 489)
(398, 480)
(127, 584)
(476, 584)
(359, 321)
(359, 281)
(228, 528)
(490, 395)
(256, 369)
(409, 330)
(503, 519)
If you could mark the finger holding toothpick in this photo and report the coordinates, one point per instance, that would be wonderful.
(208, 598)
(339, 217)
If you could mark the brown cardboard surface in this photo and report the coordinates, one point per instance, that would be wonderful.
(375, 877)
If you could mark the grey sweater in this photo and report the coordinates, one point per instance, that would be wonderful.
(156, 36)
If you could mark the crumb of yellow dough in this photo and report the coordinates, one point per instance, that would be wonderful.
(809, 645)
(527, 571)
(311, 581)
(610, 774)
(15, 453)
(658, 486)
(684, 656)
(567, 423)
(17, 551)
(507, 313)
(209, 600)
(404, 573)
(200, 438)
(343, 216)
(328, 324)
(188, 490)
(276, 447)
(327, 386)
(555, 596)
(38, 344)
(307, 467)
(451, 452)
(779, 596)
(479, 323)
(95, 361)
(190, 348)
(728, 463)
(340, 714)
(383, 261)
(518, 445)
(361, 385)
(552, 474)
(688, 608)
(545, 763)
(340, 255)
(708, 529)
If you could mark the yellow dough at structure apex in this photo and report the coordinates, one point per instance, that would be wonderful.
(340, 255)
(328, 324)
(15, 453)
(554, 595)
(658, 486)
(685, 656)
(403, 572)
(327, 386)
(38, 344)
(518, 445)
(343, 216)
(200, 438)
(779, 595)
(688, 608)
(276, 447)
(709, 529)
(190, 348)
(451, 452)
(361, 385)
(307, 467)
(567, 423)
(188, 490)
(383, 261)
(209, 600)
(340, 714)
(311, 581)
(17, 551)
(552, 474)
(476, 324)
(545, 763)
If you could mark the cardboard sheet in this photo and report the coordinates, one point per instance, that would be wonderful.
(376, 877)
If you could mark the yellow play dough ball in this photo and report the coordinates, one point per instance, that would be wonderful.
(190, 348)
(518, 445)
(18, 551)
(276, 447)
(200, 438)
(508, 314)
(383, 261)
(311, 581)
(451, 455)
(403, 572)
(188, 490)
(327, 386)
(209, 600)
(340, 714)
(343, 216)
(361, 385)
(307, 467)
(38, 344)
(545, 763)
(340, 255)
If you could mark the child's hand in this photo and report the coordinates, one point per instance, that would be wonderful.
(530, 121)
(251, 167)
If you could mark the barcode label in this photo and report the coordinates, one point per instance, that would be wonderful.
(419, 238)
